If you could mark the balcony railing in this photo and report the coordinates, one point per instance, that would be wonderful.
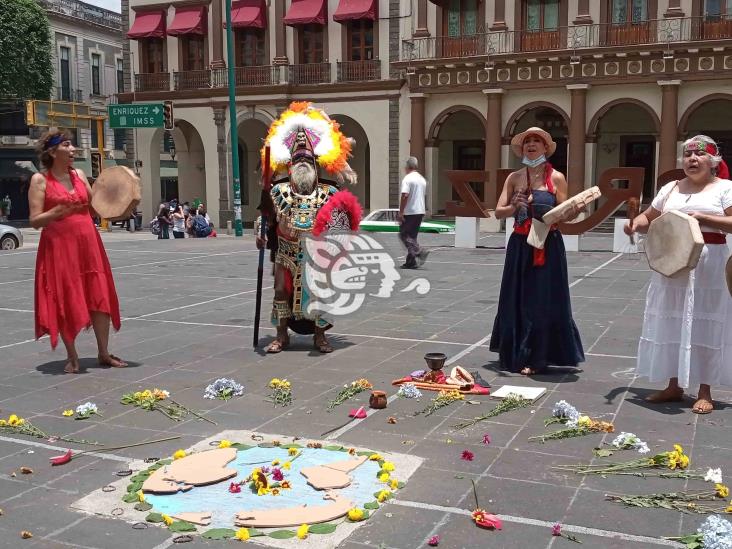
(67, 94)
(659, 32)
(191, 80)
(256, 75)
(152, 81)
(87, 12)
(358, 71)
(309, 73)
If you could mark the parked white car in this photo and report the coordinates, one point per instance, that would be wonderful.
(10, 237)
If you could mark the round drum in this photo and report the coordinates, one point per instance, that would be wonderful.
(674, 244)
(116, 192)
(586, 197)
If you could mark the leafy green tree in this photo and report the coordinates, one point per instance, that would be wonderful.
(26, 71)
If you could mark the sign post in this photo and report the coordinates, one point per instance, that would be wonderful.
(238, 229)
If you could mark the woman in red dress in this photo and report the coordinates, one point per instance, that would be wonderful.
(74, 288)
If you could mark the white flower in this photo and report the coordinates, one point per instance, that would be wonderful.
(409, 390)
(87, 408)
(714, 475)
(565, 410)
(223, 388)
(716, 532)
(643, 448)
(629, 441)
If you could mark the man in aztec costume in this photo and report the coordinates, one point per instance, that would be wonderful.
(300, 204)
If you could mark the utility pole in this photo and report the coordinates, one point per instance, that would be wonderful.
(238, 230)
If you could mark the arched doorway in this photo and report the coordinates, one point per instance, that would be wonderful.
(711, 116)
(360, 162)
(547, 117)
(190, 161)
(625, 132)
(251, 132)
(458, 140)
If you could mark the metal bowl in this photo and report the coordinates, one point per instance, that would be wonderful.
(435, 361)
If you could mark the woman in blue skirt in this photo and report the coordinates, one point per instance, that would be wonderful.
(534, 327)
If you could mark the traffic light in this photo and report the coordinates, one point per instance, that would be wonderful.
(96, 164)
(168, 115)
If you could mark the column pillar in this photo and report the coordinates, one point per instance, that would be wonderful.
(583, 13)
(577, 125)
(225, 208)
(421, 30)
(417, 136)
(217, 61)
(669, 131)
(674, 9)
(499, 16)
(280, 49)
(493, 133)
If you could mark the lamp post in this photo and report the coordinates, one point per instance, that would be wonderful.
(238, 230)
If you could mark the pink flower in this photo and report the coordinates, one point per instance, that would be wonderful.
(265, 470)
(557, 529)
(467, 455)
(434, 541)
(277, 474)
(486, 520)
(486, 439)
(234, 488)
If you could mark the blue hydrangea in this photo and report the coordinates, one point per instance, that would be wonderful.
(409, 390)
(224, 389)
(86, 409)
(716, 532)
(565, 410)
(629, 441)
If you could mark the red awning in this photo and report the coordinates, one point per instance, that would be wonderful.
(188, 20)
(349, 10)
(249, 14)
(148, 24)
(306, 12)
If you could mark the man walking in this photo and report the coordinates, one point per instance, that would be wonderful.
(411, 212)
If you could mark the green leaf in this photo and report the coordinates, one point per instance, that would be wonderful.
(366, 515)
(130, 498)
(282, 534)
(602, 452)
(165, 462)
(333, 448)
(265, 445)
(240, 446)
(253, 533)
(143, 506)
(401, 485)
(134, 486)
(296, 446)
(154, 518)
(219, 533)
(365, 453)
(373, 505)
(182, 526)
(324, 528)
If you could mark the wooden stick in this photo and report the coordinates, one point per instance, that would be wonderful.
(106, 449)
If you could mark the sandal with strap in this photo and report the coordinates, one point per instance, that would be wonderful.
(322, 346)
(112, 361)
(277, 346)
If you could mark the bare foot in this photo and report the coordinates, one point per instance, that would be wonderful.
(321, 345)
(528, 371)
(72, 366)
(111, 360)
(277, 345)
(669, 394)
(703, 406)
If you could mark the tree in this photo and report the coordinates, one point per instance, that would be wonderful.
(26, 71)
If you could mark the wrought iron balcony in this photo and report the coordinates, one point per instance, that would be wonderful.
(82, 10)
(359, 71)
(662, 32)
(67, 94)
(152, 81)
(191, 80)
(309, 73)
(253, 75)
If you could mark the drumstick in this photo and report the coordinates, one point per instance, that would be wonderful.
(632, 214)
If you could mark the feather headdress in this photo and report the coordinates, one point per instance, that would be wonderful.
(330, 147)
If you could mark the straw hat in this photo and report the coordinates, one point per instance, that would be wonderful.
(517, 143)
(728, 272)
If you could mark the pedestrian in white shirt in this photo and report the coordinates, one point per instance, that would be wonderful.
(411, 212)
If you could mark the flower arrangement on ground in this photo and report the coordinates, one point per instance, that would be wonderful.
(159, 399)
(17, 425)
(685, 502)
(223, 389)
(714, 533)
(511, 402)
(629, 441)
(348, 391)
(557, 531)
(444, 398)
(86, 410)
(563, 412)
(675, 460)
(409, 390)
(281, 392)
(585, 425)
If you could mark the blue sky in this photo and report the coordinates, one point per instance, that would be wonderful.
(113, 5)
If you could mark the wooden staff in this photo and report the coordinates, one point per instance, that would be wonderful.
(633, 209)
(264, 201)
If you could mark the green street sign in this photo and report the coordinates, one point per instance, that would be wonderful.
(136, 115)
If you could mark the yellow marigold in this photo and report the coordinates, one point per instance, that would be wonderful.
(179, 454)
(394, 484)
(285, 384)
(678, 448)
(274, 382)
(285, 485)
(3, 423)
(388, 466)
(673, 460)
(67, 413)
(286, 465)
(355, 514)
(383, 496)
(167, 520)
(384, 477)
(276, 462)
(729, 508)
(13, 420)
(584, 421)
(302, 532)
(722, 490)
(160, 394)
(375, 457)
(684, 461)
(21, 421)
(242, 534)
(292, 451)
(364, 384)
(225, 444)
(263, 491)
(140, 496)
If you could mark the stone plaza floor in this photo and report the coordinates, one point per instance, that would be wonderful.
(188, 308)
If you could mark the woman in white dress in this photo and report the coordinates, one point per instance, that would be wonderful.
(687, 324)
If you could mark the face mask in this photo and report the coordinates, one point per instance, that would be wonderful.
(533, 163)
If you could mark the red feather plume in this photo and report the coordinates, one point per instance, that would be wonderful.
(342, 200)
